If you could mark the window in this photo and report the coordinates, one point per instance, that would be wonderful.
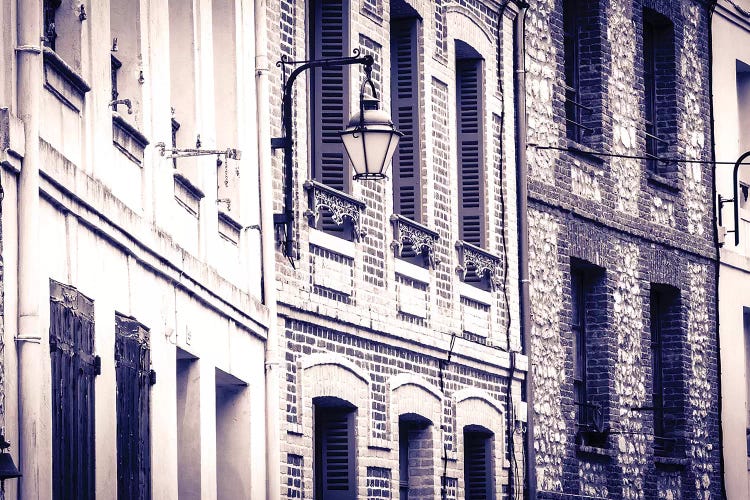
(133, 377)
(470, 125)
(590, 373)
(659, 89)
(232, 437)
(74, 367)
(407, 197)
(126, 47)
(62, 30)
(50, 26)
(187, 396)
(572, 39)
(578, 327)
(335, 477)
(666, 371)
(415, 466)
(329, 89)
(182, 84)
(226, 104)
(478, 476)
(743, 105)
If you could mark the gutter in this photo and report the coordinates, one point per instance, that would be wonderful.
(268, 256)
(519, 54)
(32, 432)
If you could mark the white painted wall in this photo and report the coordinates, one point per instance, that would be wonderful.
(731, 43)
(108, 229)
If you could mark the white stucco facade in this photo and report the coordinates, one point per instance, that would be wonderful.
(731, 91)
(174, 246)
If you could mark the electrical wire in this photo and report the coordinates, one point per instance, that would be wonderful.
(632, 157)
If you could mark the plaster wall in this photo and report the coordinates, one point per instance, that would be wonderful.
(731, 51)
(108, 228)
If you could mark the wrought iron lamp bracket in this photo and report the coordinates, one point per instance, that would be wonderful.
(284, 221)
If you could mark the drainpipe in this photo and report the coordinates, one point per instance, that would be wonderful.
(268, 250)
(28, 340)
(711, 7)
(523, 237)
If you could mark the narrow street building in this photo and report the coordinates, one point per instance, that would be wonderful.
(397, 299)
(731, 93)
(621, 250)
(134, 330)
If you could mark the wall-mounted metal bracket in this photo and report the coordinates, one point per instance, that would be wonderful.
(229, 153)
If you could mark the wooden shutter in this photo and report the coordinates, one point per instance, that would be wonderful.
(329, 94)
(470, 150)
(477, 466)
(132, 370)
(336, 447)
(73, 368)
(405, 103)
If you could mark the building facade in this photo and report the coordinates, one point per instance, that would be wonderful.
(134, 325)
(731, 90)
(397, 301)
(621, 250)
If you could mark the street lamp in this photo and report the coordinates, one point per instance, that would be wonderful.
(370, 139)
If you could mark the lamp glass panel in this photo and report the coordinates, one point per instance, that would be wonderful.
(353, 144)
(377, 149)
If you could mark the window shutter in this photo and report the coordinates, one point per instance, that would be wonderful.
(73, 368)
(337, 441)
(132, 373)
(330, 88)
(405, 96)
(470, 151)
(477, 466)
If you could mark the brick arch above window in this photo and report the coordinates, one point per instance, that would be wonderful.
(333, 361)
(411, 394)
(477, 407)
(460, 10)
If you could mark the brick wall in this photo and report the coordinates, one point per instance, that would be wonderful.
(356, 301)
(608, 211)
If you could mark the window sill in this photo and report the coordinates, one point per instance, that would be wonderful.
(662, 182)
(412, 271)
(476, 294)
(584, 152)
(582, 449)
(187, 195)
(63, 81)
(128, 139)
(229, 229)
(671, 462)
(332, 243)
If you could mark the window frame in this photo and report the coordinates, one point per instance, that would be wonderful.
(473, 438)
(328, 412)
(666, 343)
(470, 130)
(324, 140)
(408, 118)
(659, 79)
